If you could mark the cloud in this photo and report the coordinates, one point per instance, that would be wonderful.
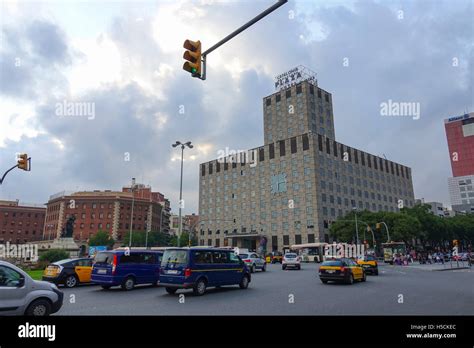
(143, 101)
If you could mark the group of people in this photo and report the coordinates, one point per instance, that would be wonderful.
(402, 259)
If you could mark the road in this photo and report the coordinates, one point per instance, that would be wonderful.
(292, 292)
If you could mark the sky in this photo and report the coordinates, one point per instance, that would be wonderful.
(122, 60)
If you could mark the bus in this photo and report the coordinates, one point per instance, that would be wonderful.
(310, 252)
(389, 249)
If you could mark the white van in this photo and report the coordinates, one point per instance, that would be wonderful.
(21, 295)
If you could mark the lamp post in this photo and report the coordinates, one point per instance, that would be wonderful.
(131, 216)
(357, 229)
(188, 144)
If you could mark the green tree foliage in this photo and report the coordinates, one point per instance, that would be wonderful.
(101, 238)
(416, 223)
(54, 255)
(184, 240)
(158, 239)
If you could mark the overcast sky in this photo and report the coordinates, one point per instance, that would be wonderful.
(125, 60)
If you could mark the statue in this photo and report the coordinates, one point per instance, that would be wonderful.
(68, 231)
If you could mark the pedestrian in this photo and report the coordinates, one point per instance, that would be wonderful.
(430, 258)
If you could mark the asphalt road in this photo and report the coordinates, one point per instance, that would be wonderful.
(292, 292)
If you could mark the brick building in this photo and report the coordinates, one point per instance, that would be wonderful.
(21, 223)
(107, 211)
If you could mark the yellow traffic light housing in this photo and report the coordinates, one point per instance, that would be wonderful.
(23, 161)
(193, 57)
(378, 225)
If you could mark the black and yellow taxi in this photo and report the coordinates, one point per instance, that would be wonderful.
(276, 257)
(69, 272)
(341, 270)
(369, 264)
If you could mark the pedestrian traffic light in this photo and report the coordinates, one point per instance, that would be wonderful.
(193, 57)
(23, 161)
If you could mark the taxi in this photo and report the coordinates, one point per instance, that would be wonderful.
(69, 272)
(341, 270)
(369, 264)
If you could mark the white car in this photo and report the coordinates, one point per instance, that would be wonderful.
(291, 260)
(254, 262)
(21, 295)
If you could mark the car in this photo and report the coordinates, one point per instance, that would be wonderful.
(277, 257)
(291, 260)
(254, 262)
(200, 268)
(369, 264)
(21, 295)
(341, 270)
(69, 272)
(126, 268)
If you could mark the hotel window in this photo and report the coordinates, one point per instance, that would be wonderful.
(271, 150)
(278, 97)
(281, 144)
(293, 145)
(328, 148)
(320, 142)
(203, 170)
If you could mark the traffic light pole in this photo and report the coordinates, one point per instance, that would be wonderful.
(237, 32)
(15, 166)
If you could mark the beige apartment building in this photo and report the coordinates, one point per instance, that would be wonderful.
(289, 190)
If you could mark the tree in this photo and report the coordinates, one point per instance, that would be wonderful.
(54, 255)
(139, 239)
(184, 240)
(101, 238)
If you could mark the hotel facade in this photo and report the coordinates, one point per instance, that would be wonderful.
(289, 190)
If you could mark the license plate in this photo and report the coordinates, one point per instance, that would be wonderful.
(101, 271)
(173, 271)
(330, 271)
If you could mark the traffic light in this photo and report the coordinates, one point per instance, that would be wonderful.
(455, 242)
(23, 161)
(193, 57)
(378, 225)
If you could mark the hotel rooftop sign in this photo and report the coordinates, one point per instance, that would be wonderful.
(458, 118)
(294, 76)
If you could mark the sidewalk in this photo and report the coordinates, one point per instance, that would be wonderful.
(447, 266)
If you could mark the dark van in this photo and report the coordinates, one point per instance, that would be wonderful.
(200, 268)
(126, 268)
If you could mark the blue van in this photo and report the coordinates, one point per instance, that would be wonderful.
(199, 268)
(126, 268)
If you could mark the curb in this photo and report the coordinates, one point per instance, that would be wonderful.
(450, 269)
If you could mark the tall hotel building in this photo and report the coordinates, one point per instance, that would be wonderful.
(460, 136)
(289, 190)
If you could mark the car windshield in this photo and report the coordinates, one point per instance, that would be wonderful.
(178, 257)
(104, 257)
(332, 263)
(244, 256)
(369, 258)
(62, 262)
(290, 256)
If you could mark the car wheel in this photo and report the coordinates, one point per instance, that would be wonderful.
(128, 284)
(376, 272)
(351, 279)
(171, 291)
(283, 267)
(39, 308)
(244, 282)
(200, 287)
(364, 277)
(105, 287)
(264, 268)
(252, 269)
(71, 281)
(299, 267)
(324, 281)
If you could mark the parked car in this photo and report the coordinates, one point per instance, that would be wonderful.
(201, 268)
(254, 262)
(341, 270)
(291, 260)
(69, 272)
(21, 295)
(369, 264)
(126, 268)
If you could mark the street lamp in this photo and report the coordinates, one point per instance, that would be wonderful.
(131, 216)
(357, 230)
(188, 144)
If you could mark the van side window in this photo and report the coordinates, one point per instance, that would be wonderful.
(233, 258)
(220, 257)
(149, 258)
(202, 257)
(9, 277)
(132, 258)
